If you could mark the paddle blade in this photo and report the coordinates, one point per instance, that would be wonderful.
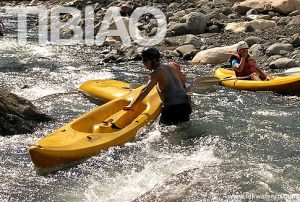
(206, 81)
(294, 70)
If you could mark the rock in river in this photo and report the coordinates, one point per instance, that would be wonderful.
(18, 115)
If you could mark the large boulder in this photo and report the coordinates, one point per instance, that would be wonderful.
(295, 40)
(257, 50)
(251, 40)
(214, 55)
(126, 8)
(193, 40)
(296, 56)
(275, 49)
(285, 6)
(177, 29)
(18, 115)
(273, 58)
(255, 24)
(185, 49)
(282, 6)
(251, 12)
(283, 63)
(295, 13)
(295, 20)
(284, 20)
(196, 23)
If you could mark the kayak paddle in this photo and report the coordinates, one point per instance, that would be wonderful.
(211, 80)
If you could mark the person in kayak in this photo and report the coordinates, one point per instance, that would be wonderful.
(244, 65)
(1, 28)
(171, 86)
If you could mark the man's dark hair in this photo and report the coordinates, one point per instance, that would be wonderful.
(151, 53)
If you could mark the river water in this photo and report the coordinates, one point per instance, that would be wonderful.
(243, 142)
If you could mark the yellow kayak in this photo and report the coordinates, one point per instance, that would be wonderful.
(281, 84)
(103, 127)
(105, 90)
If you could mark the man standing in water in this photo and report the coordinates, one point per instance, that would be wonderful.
(1, 28)
(171, 86)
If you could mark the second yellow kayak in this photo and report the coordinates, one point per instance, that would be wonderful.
(105, 90)
(281, 84)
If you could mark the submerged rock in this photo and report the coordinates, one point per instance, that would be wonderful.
(18, 115)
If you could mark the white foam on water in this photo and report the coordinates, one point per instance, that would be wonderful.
(42, 51)
(38, 91)
(128, 186)
(274, 113)
(85, 76)
(70, 68)
(214, 113)
(153, 136)
(8, 44)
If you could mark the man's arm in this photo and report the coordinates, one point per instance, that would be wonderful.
(151, 83)
(238, 66)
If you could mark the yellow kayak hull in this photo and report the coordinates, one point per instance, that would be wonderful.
(105, 90)
(105, 126)
(281, 84)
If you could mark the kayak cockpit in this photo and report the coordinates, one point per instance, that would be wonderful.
(109, 118)
(119, 120)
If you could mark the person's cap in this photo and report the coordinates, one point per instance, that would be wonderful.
(242, 45)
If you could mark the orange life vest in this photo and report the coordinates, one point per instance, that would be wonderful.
(249, 66)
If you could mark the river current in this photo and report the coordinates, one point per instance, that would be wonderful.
(245, 144)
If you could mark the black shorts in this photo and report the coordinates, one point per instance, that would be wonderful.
(175, 114)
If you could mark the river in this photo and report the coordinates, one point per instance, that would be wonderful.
(243, 142)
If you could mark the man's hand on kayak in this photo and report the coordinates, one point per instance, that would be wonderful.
(268, 77)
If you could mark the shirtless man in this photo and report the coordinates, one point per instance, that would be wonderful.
(171, 86)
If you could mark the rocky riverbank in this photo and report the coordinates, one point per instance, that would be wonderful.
(203, 32)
